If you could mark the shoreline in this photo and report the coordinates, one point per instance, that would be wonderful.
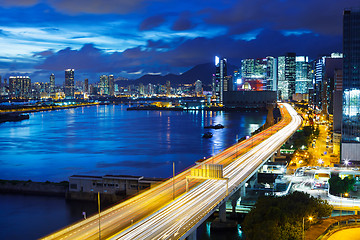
(47, 108)
(225, 109)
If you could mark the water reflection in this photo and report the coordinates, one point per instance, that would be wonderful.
(110, 140)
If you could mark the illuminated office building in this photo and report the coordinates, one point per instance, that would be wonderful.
(219, 78)
(271, 73)
(286, 76)
(86, 85)
(69, 83)
(52, 83)
(198, 88)
(104, 85)
(303, 81)
(350, 146)
(111, 85)
(247, 68)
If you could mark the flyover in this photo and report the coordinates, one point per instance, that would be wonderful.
(154, 214)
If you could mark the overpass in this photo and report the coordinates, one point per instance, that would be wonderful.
(154, 214)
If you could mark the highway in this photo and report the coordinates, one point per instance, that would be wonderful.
(153, 214)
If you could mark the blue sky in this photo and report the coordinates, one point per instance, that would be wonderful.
(131, 38)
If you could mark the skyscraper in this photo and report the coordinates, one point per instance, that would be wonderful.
(218, 80)
(86, 85)
(111, 85)
(52, 84)
(271, 74)
(69, 83)
(198, 88)
(286, 76)
(350, 132)
(303, 81)
(104, 85)
(247, 68)
(168, 88)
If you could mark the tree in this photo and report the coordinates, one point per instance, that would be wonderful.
(281, 217)
(340, 186)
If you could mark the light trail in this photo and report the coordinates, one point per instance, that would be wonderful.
(156, 216)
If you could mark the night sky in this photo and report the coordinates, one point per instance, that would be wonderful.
(131, 38)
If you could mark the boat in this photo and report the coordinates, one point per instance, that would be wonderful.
(13, 117)
(217, 126)
(207, 135)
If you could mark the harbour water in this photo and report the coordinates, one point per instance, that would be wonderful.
(100, 140)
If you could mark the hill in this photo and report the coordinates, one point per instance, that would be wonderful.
(202, 72)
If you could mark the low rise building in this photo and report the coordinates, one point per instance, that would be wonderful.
(123, 185)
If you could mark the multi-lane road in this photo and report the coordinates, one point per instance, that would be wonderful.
(154, 214)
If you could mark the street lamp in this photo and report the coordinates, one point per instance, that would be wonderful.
(341, 195)
(310, 218)
(320, 161)
(346, 163)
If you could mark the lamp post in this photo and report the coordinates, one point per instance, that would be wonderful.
(99, 215)
(341, 195)
(303, 230)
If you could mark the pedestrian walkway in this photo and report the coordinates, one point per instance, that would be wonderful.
(323, 227)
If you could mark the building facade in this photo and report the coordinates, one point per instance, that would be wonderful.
(350, 133)
(271, 74)
(20, 87)
(303, 81)
(219, 78)
(52, 84)
(124, 185)
(69, 83)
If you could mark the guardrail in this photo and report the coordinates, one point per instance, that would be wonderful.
(351, 221)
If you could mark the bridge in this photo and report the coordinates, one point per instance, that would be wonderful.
(169, 211)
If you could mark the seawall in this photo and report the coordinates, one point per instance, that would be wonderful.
(36, 188)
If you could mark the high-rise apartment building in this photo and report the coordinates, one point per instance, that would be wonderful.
(20, 87)
(69, 83)
(350, 132)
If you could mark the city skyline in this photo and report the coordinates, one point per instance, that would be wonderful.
(130, 40)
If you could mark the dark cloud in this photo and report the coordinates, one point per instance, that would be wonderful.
(320, 16)
(148, 59)
(151, 22)
(98, 6)
(87, 58)
(183, 22)
(157, 44)
(18, 3)
(44, 53)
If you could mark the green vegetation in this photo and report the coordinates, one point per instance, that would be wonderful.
(340, 186)
(282, 217)
(303, 137)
